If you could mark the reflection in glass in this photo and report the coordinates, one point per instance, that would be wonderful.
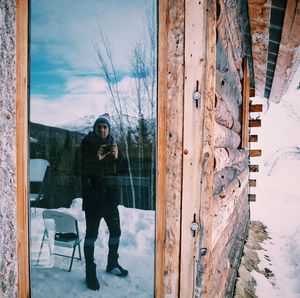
(92, 148)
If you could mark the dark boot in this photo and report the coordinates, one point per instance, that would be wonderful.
(91, 277)
(113, 266)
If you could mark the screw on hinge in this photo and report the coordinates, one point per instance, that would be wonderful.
(194, 226)
(197, 95)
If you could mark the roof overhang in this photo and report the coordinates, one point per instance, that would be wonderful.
(275, 39)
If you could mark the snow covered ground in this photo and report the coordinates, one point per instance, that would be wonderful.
(51, 278)
(278, 197)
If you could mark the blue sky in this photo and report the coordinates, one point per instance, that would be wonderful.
(64, 77)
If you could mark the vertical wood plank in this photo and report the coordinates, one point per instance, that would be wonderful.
(22, 145)
(203, 283)
(245, 107)
(161, 147)
(169, 150)
(195, 39)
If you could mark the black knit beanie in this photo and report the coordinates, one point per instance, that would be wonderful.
(104, 118)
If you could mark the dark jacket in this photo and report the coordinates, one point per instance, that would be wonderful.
(96, 192)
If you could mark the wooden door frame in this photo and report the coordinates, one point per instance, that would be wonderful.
(22, 114)
(172, 115)
(22, 147)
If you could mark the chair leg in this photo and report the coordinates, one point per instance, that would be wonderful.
(40, 252)
(71, 263)
(79, 250)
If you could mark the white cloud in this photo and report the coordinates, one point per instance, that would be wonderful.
(84, 96)
(66, 108)
(85, 85)
(66, 28)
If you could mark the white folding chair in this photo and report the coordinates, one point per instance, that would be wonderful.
(66, 233)
(38, 169)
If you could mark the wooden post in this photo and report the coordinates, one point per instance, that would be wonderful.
(22, 145)
(203, 283)
(252, 182)
(245, 106)
(169, 161)
(195, 118)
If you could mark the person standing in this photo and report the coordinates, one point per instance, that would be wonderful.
(99, 153)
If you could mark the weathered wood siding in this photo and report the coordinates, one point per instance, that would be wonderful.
(170, 140)
(230, 208)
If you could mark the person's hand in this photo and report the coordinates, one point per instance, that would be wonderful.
(114, 151)
(101, 152)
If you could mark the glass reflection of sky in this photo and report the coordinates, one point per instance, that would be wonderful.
(64, 74)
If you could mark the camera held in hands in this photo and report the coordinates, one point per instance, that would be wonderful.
(106, 149)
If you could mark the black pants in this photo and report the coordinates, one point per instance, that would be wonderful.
(93, 218)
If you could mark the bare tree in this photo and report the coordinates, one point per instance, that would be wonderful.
(143, 70)
(108, 72)
(143, 64)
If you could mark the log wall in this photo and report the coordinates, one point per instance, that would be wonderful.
(230, 208)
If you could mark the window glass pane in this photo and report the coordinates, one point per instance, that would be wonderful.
(92, 160)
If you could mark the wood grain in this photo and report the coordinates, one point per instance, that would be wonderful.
(288, 55)
(224, 117)
(170, 140)
(225, 137)
(194, 122)
(259, 17)
(202, 283)
(245, 106)
(22, 145)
